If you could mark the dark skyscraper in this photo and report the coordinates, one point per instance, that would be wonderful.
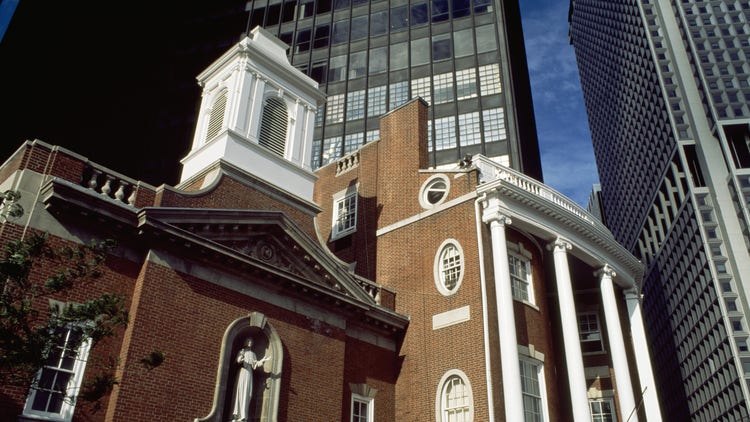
(666, 86)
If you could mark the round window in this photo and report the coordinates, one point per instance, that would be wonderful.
(434, 191)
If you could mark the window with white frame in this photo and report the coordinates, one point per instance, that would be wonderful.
(590, 332)
(363, 409)
(449, 267)
(532, 390)
(469, 132)
(345, 212)
(353, 141)
(355, 105)
(421, 88)
(466, 84)
(399, 94)
(58, 382)
(443, 87)
(445, 133)
(489, 79)
(602, 410)
(520, 277)
(454, 398)
(376, 101)
(434, 191)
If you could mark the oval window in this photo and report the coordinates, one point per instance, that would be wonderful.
(434, 191)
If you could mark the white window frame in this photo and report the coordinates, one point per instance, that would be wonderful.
(441, 409)
(440, 269)
(429, 187)
(600, 415)
(589, 335)
(344, 224)
(522, 256)
(72, 389)
(538, 367)
(370, 412)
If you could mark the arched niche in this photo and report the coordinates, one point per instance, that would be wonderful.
(267, 380)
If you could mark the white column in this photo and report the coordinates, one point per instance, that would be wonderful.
(506, 320)
(643, 358)
(571, 338)
(617, 345)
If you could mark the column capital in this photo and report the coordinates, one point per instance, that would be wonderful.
(559, 244)
(606, 270)
(495, 216)
(632, 294)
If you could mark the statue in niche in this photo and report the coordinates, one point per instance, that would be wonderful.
(243, 393)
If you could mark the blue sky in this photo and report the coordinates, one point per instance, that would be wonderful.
(564, 137)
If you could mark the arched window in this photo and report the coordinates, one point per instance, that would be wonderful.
(273, 126)
(449, 267)
(216, 116)
(455, 400)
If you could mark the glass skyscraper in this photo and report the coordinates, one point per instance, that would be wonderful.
(667, 89)
(465, 58)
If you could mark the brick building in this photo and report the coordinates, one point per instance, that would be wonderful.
(379, 288)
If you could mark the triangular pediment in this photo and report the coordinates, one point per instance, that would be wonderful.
(267, 239)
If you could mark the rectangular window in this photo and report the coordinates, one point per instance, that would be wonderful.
(372, 135)
(445, 133)
(362, 409)
(421, 88)
(378, 23)
(602, 410)
(331, 149)
(590, 332)
(466, 84)
(58, 382)
(359, 28)
(399, 57)
(463, 42)
(532, 390)
(441, 47)
(489, 79)
(303, 41)
(376, 101)
(340, 32)
(319, 71)
(482, 6)
(357, 64)
(344, 213)
(355, 105)
(322, 34)
(461, 8)
(337, 69)
(335, 109)
(353, 141)
(486, 38)
(317, 147)
(399, 94)
(520, 277)
(378, 60)
(439, 10)
(419, 15)
(494, 124)
(306, 9)
(443, 88)
(469, 131)
(420, 51)
(399, 18)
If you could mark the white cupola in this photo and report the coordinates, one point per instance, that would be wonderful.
(257, 113)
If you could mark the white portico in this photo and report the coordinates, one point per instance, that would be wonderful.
(511, 199)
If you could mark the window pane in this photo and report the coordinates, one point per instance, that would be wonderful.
(420, 51)
(421, 88)
(463, 42)
(321, 36)
(461, 8)
(357, 64)
(335, 109)
(399, 94)
(450, 266)
(337, 69)
(378, 23)
(353, 141)
(419, 15)
(469, 131)
(303, 41)
(359, 28)
(443, 88)
(355, 105)
(494, 124)
(331, 149)
(399, 18)
(486, 40)
(439, 10)
(441, 47)
(340, 32)
(399, 57)
(376, 101)
(489, 79)
(378, 59)
(466, 84)
(445, 133)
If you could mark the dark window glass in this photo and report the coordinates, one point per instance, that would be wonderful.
(286, 37)
(482, 6)
(321, 36)
(378, 23)
(359, 28)
(419, 15)
(306, 9)
(257, 18)
(324, 6)
(319, 72)
(340, 32)
(356, 2)
(337, 69)
(441, 47)
(340, 4)
(288, 14)
(461, 8)
(303, 41)
(439, 10)
(274, 12)
(399, 18)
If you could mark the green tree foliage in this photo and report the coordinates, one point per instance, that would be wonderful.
(30, 321)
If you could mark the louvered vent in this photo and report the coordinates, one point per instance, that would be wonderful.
(273, 126)
(216, 119)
